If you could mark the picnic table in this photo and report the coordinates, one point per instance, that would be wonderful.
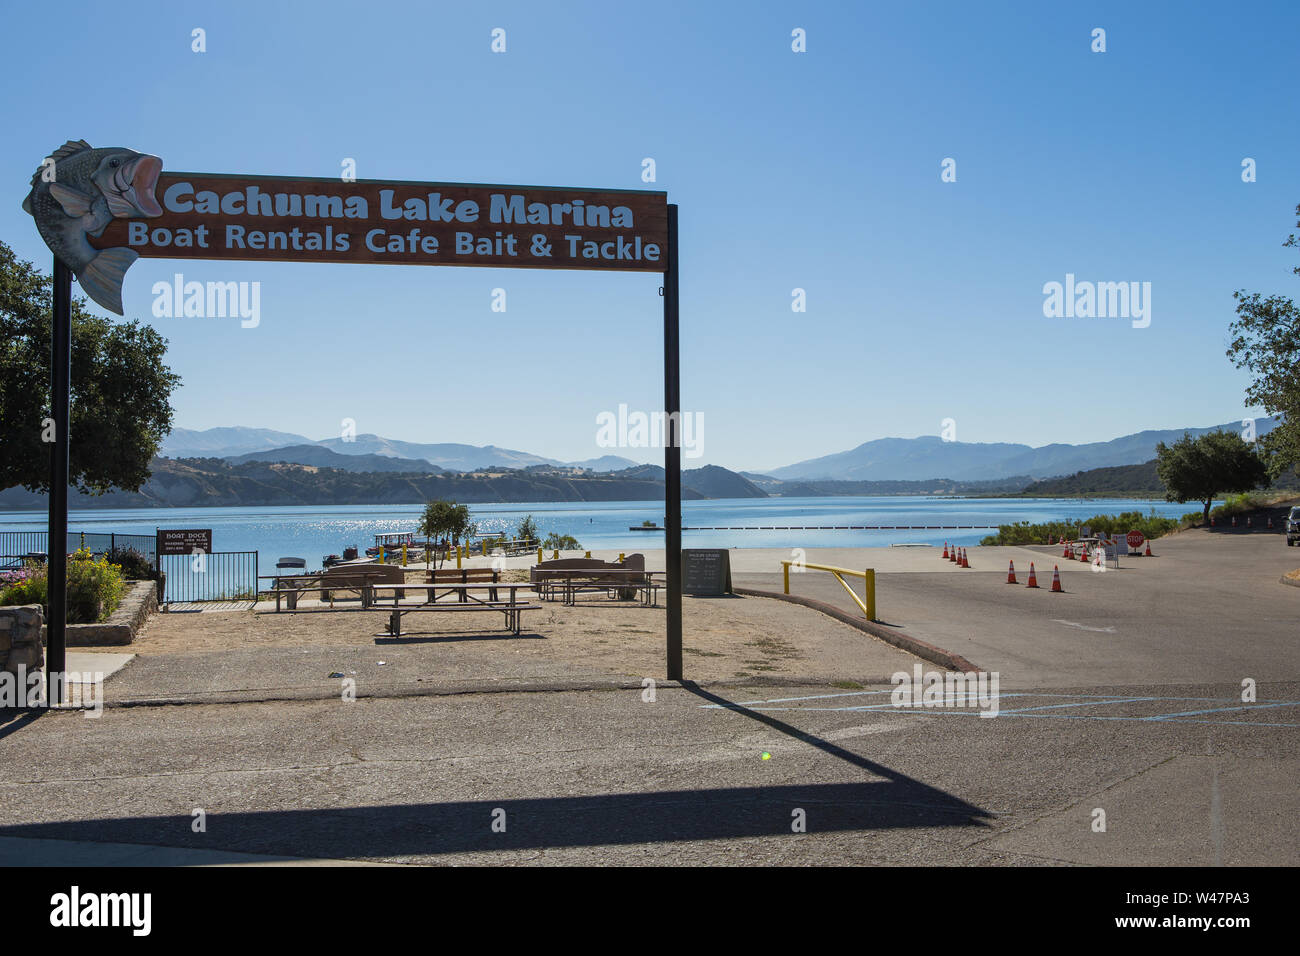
(290, 586)
(512, 608)
(569, 582)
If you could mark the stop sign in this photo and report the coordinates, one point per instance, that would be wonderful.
(1135, 539)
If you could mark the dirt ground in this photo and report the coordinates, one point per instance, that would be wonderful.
(724, 637)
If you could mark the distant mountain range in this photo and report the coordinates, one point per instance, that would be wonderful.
(243, 444)
(883, 466)
(220, 442)
(929, 457)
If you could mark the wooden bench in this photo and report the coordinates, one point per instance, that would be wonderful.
(513, 612)
(623, 585)
(512, 609)
(359, 578)
(622, 579)
(463, 576)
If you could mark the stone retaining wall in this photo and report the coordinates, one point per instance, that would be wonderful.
(20, 637)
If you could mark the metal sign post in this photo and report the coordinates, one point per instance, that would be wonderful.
(672, 456)
(57, 538)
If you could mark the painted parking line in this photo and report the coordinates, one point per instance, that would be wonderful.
(1050, 711)
(1082, 703)
(859, 708)
(1215, 710)
(1006, 696)
(786, 700)
(937, 712)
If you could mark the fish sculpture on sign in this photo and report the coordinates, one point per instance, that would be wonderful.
(81, 193)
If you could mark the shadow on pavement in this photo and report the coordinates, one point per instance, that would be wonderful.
(13, 719)
(427, 637)
(891, 801)
(428, 829)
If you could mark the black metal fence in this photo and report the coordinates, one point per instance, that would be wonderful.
(15, 546)
(220, 576)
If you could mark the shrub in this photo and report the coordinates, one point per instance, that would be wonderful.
(95, 588)
(135, 565)
(1241, 503)
(561, 542)
(25, 586)
(1022, 532)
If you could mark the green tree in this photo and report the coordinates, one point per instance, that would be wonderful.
(446, 519)
(1266, 341)
(121, 390)
(528, 530)
(1199, 469)
(561, 542)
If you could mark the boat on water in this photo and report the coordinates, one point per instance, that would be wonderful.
(392, 542)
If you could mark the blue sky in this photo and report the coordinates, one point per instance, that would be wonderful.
(818, 170)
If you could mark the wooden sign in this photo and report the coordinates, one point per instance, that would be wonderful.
(185, 541)
(265, 218)
(706, 571)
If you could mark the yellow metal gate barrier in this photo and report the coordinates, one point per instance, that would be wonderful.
(868, 580)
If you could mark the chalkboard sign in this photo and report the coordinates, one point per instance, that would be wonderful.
(706, 571)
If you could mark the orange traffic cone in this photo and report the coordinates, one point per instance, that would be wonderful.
(965, 561)
(1033, 578)
(953, 554)
(1056, 580)
(945, 550)
(1247, 521)
(1234, 521)
(1065, 551)
(1148, 551)
(1011, 574)
(1084, 557)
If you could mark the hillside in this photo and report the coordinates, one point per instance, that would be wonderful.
(932, 486)
(322, 457)
(708, 482)
(214, 482)
(1121, 481)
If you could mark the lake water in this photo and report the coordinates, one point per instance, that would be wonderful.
(312, 532)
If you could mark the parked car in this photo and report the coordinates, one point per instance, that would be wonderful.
(1293, 526)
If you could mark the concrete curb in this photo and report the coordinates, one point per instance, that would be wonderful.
(927, 652)
(461, 688)
(1293, 582)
